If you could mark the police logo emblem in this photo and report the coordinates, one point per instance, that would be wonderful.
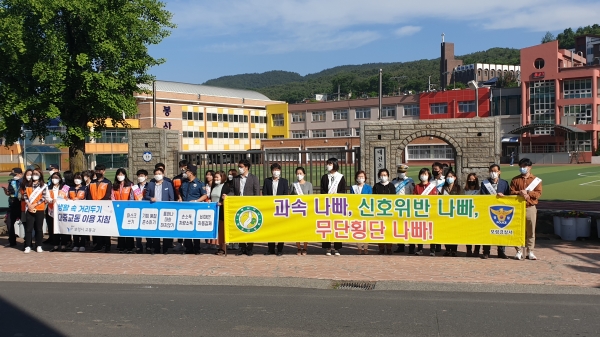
(502, 215)
(248, 219)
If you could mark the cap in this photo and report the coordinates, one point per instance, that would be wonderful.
(192, 168)
(402, 168)
(53, 167)
(15, 171)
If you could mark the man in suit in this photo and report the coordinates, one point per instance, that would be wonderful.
(245, 184)
(160, 190)
(275, 185)
(192, 190)
(495, 185)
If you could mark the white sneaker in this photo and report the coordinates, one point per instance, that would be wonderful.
(519, 255)
(328, 252)
(336, 253)
(75, 249)
(419, 252)
(27, 250)
(39, 249)
(82, 249)
(531, 256)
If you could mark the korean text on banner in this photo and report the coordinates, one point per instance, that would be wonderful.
(486, 220)
(176, 220)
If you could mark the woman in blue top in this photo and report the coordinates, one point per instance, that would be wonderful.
(361, 188)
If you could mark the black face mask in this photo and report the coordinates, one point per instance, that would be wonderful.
(436, 173)
(99, 176)
(471, 183)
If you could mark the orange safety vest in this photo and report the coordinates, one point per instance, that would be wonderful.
(122, 194)
(98, 191)
(176, 185)
(40, 207)
(53, 197)
(77, 194)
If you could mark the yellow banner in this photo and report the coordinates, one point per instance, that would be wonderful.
(486, 220)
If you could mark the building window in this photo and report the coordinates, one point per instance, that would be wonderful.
(438, 108)
(298, 117)
(577, 88)
(253, 119)
(420, 152)
(411, 110)
(539, 63)
(468, 106)
(318, 116)
(388, 111)
(277, 136)
(277, 119)
(319, 133)
(192, 116)
(340, 115)
(582, 113)
(357, 132)
(261, 136)
(362, 113)
(583, 143)
(542, 104)
(341, 133)
(299, 134)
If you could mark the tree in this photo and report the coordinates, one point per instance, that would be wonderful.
(79, 61)
(548, 37)
(566, 39)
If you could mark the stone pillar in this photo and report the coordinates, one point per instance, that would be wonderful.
(161, 143)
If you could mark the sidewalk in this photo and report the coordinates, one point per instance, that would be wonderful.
(560, 263)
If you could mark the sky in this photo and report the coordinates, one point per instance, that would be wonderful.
(229, 37)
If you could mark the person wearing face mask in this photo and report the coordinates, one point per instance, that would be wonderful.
(229, 183)
(301, 187)
(164, 168)
(14, 204)
(472, 188)
(384, 186)
(177, 181)
(404, 186)
(529, 187)
(25, 182)
(275, 185)
(78, 193)
(36, 196)
(499, 187)
(159, 190)
(361, 188)
(332, 182)
(54, 192)
(426, 186)
(245, 184)
(209, 177)
(122, 189)
(451, 187)
(52, 168)
(99, 189)
(139, 192)
(192, 190)
(437, 172)
(216, 195)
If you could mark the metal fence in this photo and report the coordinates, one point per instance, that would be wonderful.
(313, 162)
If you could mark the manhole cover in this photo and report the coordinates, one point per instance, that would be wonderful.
(354, 285)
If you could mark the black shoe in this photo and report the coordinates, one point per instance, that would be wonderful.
(107, 249)
(438, 250)
(121, 251)
(485, 256)
(400, 249)
(151, 251)
(269, 253)
(502, 256)
(279, 253)
(447, 253)
(476, 254)
(97, 248)
(197, 252)
(240, 252)
(469, 253)
(411, 252)
(249, 253)
(454, 254)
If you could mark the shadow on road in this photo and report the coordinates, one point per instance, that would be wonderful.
(20, 323)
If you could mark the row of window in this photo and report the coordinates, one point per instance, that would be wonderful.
(577, 88)
(323, 133)
(542, 102)
(428, 152)
(581, 112)
(215, 117)
(442, 108)
(359, 113)
(223, 135)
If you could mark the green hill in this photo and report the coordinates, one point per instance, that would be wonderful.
(360, 80)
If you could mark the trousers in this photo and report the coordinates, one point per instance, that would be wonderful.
(35, 221)
(530, 221)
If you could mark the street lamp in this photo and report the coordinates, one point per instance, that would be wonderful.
(474, 85)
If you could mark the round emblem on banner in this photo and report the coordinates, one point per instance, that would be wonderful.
(248, 219)
(147, 156)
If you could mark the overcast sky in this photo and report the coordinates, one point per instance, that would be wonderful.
(228, 37)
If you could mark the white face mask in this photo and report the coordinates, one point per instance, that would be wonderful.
(28, 178)
(120, 178)
(360, 180)
(230, 177)
(55, 181)
(141, 179)
(241, 170)
(217, 182)
(401, 175)
(35, 177)
(494, 175)
(423, 178)
(276, 174)
(300, 177)
(184, 176)
(15, 178)
(158, 177)
(384, 179)
(86, 179)
(329, 168)
(77, 181)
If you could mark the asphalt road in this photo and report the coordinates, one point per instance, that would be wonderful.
(72, 309)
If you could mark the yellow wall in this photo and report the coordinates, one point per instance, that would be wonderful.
(278, 130)
(133, 123)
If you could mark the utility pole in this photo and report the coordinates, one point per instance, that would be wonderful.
(338, 92)
(398, 78)
(154, 104)
(380, 91)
